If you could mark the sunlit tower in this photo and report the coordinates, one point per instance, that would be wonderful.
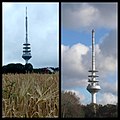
(26, 49)
(93, 86)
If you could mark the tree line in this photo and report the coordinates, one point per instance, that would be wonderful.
(27, 68)
(72, 108)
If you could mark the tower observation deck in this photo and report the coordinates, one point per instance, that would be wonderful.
(93, 87)
(26, 49)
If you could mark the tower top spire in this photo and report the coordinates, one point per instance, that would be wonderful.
(26, 27)
(26, 11)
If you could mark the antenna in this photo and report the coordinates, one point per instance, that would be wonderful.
(26, 49)
(26, 27)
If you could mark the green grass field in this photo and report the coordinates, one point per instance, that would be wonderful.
(30, 95)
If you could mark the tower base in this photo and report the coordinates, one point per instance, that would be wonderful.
(93, 98)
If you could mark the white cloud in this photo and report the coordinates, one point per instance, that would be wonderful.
(106, 54)
(74, 82)
(108, 98)
(111, 87)
(89, 15)
(71, 58)
(108, 64)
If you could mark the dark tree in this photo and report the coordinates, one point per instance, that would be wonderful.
(13, 68)
(56, 69)
(70, 106)
(28, 68)
(90, 110)
(102, 111)
(17, 68)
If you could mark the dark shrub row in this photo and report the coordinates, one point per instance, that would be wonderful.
(17, 68)
(27, 68)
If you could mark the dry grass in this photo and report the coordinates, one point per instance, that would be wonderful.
(30, 95)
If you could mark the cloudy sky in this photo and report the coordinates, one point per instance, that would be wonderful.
(77, 22)
(43, 33)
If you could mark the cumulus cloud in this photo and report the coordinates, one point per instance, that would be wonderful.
(109, 87)
(106, 54)
(89, 15)
(108, 98)
(72, 58)
(109, 46)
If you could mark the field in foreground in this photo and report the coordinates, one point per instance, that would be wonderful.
(30, 95)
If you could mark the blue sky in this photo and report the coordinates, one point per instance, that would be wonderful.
(78, 20)
(70, 37)
(43, 32)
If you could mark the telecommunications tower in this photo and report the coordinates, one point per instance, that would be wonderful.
(26, 49)
(93, 87)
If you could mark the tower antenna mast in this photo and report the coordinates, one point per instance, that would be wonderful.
(26, 27)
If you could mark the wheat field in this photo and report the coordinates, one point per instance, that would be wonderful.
(30, 95)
